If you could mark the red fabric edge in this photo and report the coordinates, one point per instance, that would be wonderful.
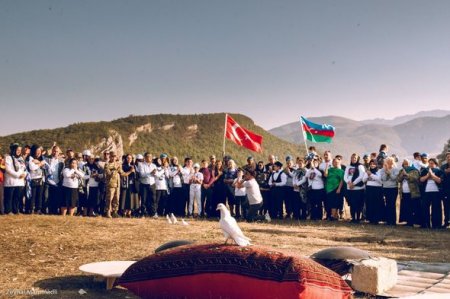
(224, 285)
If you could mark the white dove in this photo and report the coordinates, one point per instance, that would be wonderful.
(184, 222)
(173, 218)
(168, 219)
(230, 227)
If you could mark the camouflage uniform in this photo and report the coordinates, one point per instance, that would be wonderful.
(112, 180)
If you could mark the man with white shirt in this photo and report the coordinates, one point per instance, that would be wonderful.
(327, 161)
(186, 172)
(277, 181)
(147, 188)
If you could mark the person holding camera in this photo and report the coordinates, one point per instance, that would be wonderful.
(71, 181)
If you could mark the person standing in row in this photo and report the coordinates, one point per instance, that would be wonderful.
(93, 175)
(195, 180)
(129, 200)
(71, 181)
(289, 195)
(176, 188)
(55, 166)
(14, 179)
(186, 173)
(36, 165)
(333, 187)
(277, 181)
(389, 174)
(2, 179)
(240, 195)
(162, 176)
(300, 204)
(230, 174)
(408, 178)
(432, 179)
(146, 170)
(353, 177)
(375, 206)
(113, 172)
(206, 197)
(445, 168)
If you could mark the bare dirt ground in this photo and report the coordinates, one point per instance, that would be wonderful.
(44, 252)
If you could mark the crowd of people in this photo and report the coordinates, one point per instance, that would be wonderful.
(34, 181)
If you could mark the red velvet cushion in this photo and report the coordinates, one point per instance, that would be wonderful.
(229, 271)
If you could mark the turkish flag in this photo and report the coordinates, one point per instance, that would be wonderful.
(242, 136)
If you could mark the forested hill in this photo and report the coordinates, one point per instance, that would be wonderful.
(196, 135)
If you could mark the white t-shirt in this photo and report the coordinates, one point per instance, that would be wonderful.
(405, 187)
(431, 186)
(238, 191)
(198, 176)
(253, 193)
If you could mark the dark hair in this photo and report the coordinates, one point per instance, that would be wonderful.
(433, 160)
(70, 161)
(251, 172)
(187, 159)
(416, 155)
(34, 149)
(383, 147)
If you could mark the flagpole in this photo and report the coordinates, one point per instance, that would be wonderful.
(224, 134)
(303, 133)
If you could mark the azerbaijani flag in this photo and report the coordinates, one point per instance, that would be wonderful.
(315, 132)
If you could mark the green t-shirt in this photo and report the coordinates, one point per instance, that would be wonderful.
(335, 176)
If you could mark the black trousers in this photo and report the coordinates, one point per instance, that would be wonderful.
(412, 211)
(316, 198)
(34, 203)
(185, 199)
(276, 202)
(289, 198)
(54, 199)
(206, 199)
(176, 201)
(266, 194)
(299, 205)
(93, 198)
(13, 195)
(146, 199)
(160, 202)
(390, 194)
(252, 214)
(446, 198)
(433, 199)
(356, 203)
(374, 204)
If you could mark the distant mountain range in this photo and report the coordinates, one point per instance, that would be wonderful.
(423, 132)
(198, 136)
(405, 118)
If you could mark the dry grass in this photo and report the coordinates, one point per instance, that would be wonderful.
(44, 252)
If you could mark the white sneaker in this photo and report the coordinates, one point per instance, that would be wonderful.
(267, 216)
(155, 216)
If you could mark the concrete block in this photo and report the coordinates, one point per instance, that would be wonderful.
(374, 276)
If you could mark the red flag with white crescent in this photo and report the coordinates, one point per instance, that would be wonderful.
(242, 136)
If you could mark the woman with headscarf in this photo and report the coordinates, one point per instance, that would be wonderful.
(14, 181)
(36, 165)
(408, 178)
(389, 174)
(375, 206)
(432, 179)
(353, 177)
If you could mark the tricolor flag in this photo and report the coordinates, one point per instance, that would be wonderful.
(242, 136)
(316, 132)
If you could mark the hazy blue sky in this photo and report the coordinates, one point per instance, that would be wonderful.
(71, 61)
